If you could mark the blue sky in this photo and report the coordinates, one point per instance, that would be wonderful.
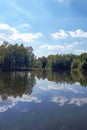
(49, 26)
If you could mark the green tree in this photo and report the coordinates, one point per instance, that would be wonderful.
(15, 56)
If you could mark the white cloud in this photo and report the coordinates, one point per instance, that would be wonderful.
(64, 47)
(78, 101)
(5, 105)
(72, 45)
(78, 51)
(50, 87)
(44, 46)
(59, 35)
(48, 49)
(26, 25)
(79, 33)
(52, 47)
(9, 33)
(61, 87)
(11, 101)
(28, 98)
(60, 100)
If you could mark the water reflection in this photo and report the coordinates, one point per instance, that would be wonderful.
(69, 77)
(19, 83)
(16, 83)
(43, 100)
(63, 100)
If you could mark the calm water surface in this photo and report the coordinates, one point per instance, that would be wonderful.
(43, 101)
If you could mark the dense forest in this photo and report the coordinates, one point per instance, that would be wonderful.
(18, 57)
(62, 62)
(15, 57)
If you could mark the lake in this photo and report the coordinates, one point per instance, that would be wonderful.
(43, 101)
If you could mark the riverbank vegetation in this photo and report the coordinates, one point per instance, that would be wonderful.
(15, 57)
(63, 62)
(18, 57)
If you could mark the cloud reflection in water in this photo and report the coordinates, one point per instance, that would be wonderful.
(63, 100)
(11, 101)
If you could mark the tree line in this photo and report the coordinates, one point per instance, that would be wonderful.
(62, 62)
(16, 57)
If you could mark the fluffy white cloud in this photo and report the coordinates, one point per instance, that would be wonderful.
(5, 105)
(78, 33)
(61, 100)
(69, 46)
(11, 101)
(28, 98)
(48, 49)
(78, 101)
(9, 33)
(51, 47)
(59, 35)
(50, 87)
(62, 87)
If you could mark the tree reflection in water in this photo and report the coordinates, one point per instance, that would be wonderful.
(69, 77)
(16, 84)
(19, 83)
